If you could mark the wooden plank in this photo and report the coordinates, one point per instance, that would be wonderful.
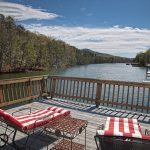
(66, 90)
(73, 89)
(132, 97)
(113, 95)
(77, 89)
(137, 98)
(148, 102)
(127, 97)
(70, 88)
(60, 85)
(98, 93)
(63, 88)
(85, 83)
(92, 95)
(81, 88)
(53, 88)
(143, 97)
(118, 93)
(104, 93)
(122, 96)
(108, 94)
(1, 94)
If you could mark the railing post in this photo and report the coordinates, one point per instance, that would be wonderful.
(53, 87)
(43, 93)
(98, 93)
(1, 95)
(29, 88)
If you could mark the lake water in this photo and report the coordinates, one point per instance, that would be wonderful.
(116, 71)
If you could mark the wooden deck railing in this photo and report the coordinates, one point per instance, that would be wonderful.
(20, 89)
(118, 94)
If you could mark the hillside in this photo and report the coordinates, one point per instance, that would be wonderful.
(107, 58)
(22, 50)
(97, 53)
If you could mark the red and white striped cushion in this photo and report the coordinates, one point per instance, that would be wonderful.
(59, 110)
(122, 127)
(35, 119)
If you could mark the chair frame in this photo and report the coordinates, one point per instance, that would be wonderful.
(104, 142)
(13, 129)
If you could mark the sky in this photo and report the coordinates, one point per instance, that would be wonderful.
(117, 27)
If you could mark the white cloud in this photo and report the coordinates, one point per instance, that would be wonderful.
(21, 12)
(125, 41)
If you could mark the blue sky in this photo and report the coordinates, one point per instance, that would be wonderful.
(118, 27)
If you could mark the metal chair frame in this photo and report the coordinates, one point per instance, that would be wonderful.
(104, 142)
(13, 130)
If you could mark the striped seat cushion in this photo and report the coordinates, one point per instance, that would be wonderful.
(35, 119)
(59, 110)
(124, 127)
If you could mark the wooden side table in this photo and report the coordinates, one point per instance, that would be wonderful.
(68, 128)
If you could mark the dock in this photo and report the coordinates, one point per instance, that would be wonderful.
(147, 78)
(148, 70)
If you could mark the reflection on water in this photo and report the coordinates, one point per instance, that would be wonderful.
(100, 71)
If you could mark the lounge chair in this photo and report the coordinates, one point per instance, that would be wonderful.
(121, 134)
(28, 123)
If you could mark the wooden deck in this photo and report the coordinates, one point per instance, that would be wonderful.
(35, 143)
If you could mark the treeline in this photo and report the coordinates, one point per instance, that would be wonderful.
(87, 56)
(22, 50)
(143, 58)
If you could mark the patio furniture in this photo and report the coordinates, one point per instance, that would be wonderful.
(67, 128)
(28, 123)
(121, 134)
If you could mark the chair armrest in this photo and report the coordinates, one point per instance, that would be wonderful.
(147, 132)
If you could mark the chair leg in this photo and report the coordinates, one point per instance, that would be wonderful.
(13, 140)
(98, 147)
(16, 145)
(3, 140)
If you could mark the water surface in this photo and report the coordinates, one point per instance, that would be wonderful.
(116, 71)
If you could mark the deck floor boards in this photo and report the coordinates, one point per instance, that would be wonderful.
(94, 120)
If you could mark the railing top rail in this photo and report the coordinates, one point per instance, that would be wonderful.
(22, 79)
(127, 83)
(34, 78)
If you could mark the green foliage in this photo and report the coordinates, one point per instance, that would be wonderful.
(22, 50)
(143, 58)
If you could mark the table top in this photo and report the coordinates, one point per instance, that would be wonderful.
(68, 124)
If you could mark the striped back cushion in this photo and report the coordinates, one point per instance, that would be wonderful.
(35, 119)
(12, 120)
(122, 127)
(62, 111)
